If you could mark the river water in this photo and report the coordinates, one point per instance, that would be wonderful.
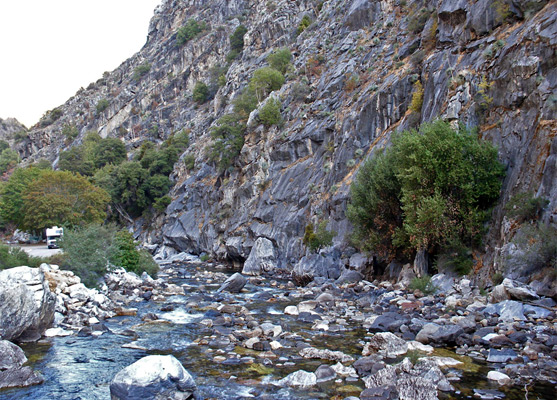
(81, 368)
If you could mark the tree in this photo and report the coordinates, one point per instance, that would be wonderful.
(264, 81)
(237, 38)
(190, 30)
(127, 187)
(269, 114)
(64, 199)
(108, 151)
(200, 93)
(228, 137)
(280, 59)
(11, 194)
(76, 160)
(432, 189)
(8, 159)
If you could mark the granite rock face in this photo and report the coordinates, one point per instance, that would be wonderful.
(26, 304)
(349, 88)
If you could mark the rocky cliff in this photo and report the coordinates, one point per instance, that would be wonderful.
(486, 64)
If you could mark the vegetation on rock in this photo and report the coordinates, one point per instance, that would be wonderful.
(432, 189)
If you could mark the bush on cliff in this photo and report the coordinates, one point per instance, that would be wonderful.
(14, 257)
(432, 189)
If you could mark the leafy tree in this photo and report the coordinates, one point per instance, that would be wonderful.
(108, 151)
(280, 59)
(75, 160)
(245, 103)
(237, 38)
(127, 255)
(157, 186)
(180, 141)
(4, 145)
(320, 238)
(200, 93)
(269, 114)
(102, 105)
(70, 131)
(64, 199)
(228, 136)
(264, 81)
(127, 187)
(11, 194)
(303, 25)
(432, 189)
(190, 30)
(8, 159)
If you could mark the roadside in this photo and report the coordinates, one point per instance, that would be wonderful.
(38, 250)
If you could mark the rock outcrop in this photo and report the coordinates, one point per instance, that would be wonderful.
(349, 88)
(12, 372)
(26, 304)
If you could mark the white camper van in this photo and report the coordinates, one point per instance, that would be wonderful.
(52, 234)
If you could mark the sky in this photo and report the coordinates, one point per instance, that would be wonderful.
(49, 49)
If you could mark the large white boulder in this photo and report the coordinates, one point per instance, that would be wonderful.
(26, 304)
(262, 258)
(153, 377)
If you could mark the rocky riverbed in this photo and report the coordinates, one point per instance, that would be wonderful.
(269, 339)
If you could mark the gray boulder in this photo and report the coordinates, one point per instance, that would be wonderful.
(12, 374)
(349, 276)
(439, 334)
(387, 344)
(507, 310)
(26, 304)
(362, 13)
(519, 291)
(153, 377)
(262, 258)
(317, 265)
(234, 284)
(299, 379)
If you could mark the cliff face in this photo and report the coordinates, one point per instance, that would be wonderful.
(487, 64)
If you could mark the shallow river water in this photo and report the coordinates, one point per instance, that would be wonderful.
(82, 367)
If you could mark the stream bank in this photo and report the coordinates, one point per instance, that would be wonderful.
(274, 340)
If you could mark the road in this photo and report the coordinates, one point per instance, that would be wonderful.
(38, 250)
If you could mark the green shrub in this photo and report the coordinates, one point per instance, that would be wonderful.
(264, 81)
(200, 93)
(300, 91)
(525, 207)
(108, 151)
(236, 43)
(423, 284)
(190, 30)
(15, 257)
(205, 257)
(92, 251)
(433, 186)
(102, 105)
(497, 278)
(20, 135)
(228, 136)
(161, 203)
(141, 70)
(316, 240)
(303, 25)
(70, 131)
(280, 59)
(269, 114)
(4, 145)
(189, 162)
(8, 159)
(245, 103)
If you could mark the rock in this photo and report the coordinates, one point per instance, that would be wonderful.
(343, 370)
(498, 377)
(80, 292)
(234, 284)
(380, 393)
(488, 394)
(498, 294)
(262, 258)
(52, 332)
(19, 377)
(311, 352)
(362, 13)
(407, 386)
(325, 299)
(349, 276)
(406, 275)
(291, 310)
(358, 262)
(519, 291)
(11, 356)
(153, 377)
(389, 321)
(501, 356)
(11, 372)
(325, 373)
(439, 334)
(507, 310)
(444, 283)
(299, 379)
(26, 304)
(386, 344)
(367, 366)
(421, 263)
(317, 265)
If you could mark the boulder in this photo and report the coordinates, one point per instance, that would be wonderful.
(519, 291)
(385, 343)
(362, 13)
(311, 352)
(234, 284)
(317, 265)
(12, 374)
(153, 377)
(499, 377)
(444, 283)
(299, 379)
(26, 304)
(507, 310)
(498, 294)
(349, 276)
(325, 373)
(439, 334)
(262, 258)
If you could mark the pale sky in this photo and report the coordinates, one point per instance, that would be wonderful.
(51, 48)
